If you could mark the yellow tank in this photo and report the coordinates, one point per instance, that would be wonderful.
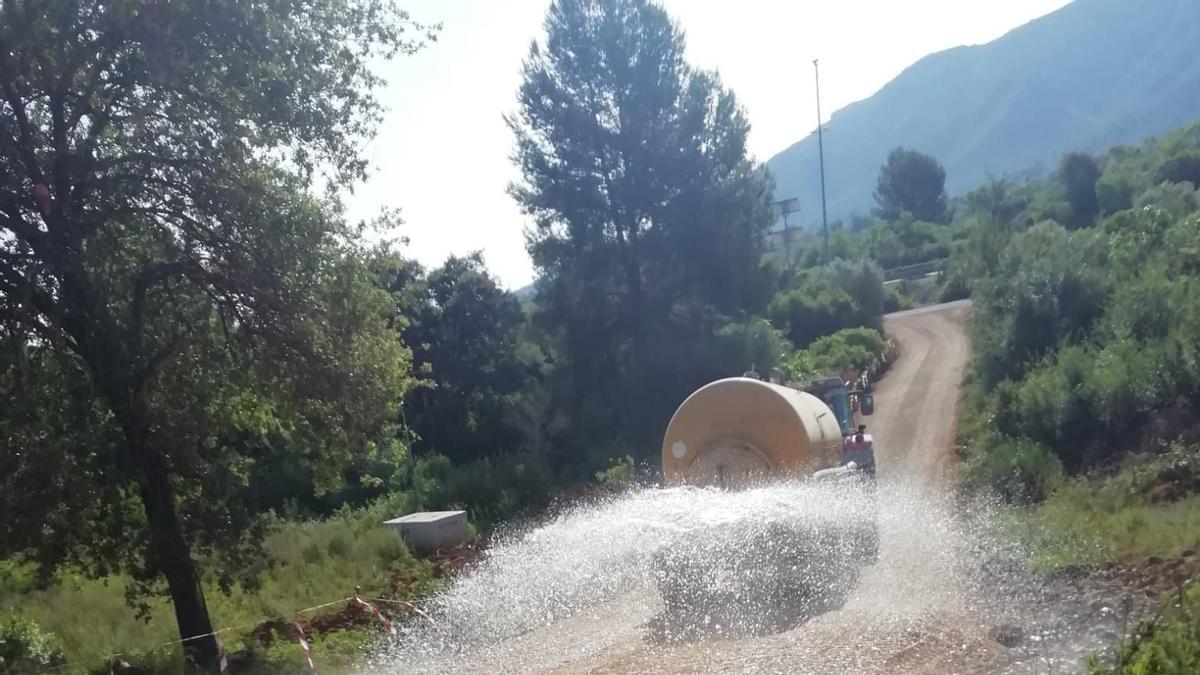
(736, 430)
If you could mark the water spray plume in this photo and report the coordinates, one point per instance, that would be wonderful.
(578, 593)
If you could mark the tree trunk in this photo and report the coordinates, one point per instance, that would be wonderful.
(170, 551)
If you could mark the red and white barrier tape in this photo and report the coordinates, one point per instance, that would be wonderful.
(411, 607)
(387, 623)
(115, 661)
(224, 661)
(304, 646)
(419, 612)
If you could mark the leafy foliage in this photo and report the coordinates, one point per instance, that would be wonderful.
(465, 330)
(1086, 340)
(648, 213)
(619, 476)
(1078, 174)
(814, 309)
(1183, 167)
(913, 182)
(24, 647)
(843, 294)
(858, 348)
(1166, 645)
(165, 268)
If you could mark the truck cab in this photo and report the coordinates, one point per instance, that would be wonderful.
(833, 393)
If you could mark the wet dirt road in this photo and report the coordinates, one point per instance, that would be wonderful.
(946, 591)
(917, 401)
(910, 613)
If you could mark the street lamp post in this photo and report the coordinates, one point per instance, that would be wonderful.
(821, 154)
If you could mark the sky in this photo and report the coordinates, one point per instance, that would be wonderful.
(442, 154)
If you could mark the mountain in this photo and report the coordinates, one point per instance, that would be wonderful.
(1091, 75)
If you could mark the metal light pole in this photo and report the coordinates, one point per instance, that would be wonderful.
(821, 152)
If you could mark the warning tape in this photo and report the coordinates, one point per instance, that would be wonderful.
(304, 646)
(224, 661)
(411, 606)
(387, 623)
(117, 660)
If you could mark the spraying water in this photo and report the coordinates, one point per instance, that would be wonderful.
(579, 594)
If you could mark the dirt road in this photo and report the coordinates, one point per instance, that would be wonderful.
(917, 401)
(950, 593)
(948, 589)
(911, 613)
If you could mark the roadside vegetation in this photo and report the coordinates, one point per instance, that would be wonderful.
(1169, 643)
(1084, 334)
(1081, 401)
(216, 388)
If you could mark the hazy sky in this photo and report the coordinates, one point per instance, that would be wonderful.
(442, 154)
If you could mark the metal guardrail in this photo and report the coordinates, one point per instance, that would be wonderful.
(915, 271)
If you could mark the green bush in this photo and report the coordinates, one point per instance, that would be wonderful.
(1150, 508)
(857, 348)
(492, 490)
(843, 294)
(1182, 168)
(25, 647)
(799, 365)
(1049, 290)
(1177, 199)
(1169, 644)
(1019, 470)
(897, 299)
(954, 286)
(906, 241)
(754, 342)
(815, 309)
(618, 477)
(863, 281)
(1048, 406)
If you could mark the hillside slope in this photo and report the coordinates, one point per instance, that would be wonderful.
(1093, 74)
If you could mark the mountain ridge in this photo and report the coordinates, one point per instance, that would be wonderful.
(1093, 74)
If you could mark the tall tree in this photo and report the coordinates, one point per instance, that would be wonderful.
(465, 329)
(1183, 167)
(997, 202)
(1078, 173)
(911, 181)
(642, 195)
(175, 299)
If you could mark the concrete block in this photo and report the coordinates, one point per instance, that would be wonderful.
(426, 532)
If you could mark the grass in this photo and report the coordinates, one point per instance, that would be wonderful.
(316, 563)
(1168, 644)
(1151, 509)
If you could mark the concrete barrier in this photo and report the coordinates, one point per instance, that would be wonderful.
(426, 532)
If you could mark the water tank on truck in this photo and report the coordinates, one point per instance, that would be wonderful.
(741, 429)
(750, 575)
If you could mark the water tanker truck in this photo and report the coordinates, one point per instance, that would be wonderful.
(745, 575)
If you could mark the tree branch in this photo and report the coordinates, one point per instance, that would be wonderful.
(154, 274)
(25, 144)
(19, 286)
(14, 223)
(27, 320)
